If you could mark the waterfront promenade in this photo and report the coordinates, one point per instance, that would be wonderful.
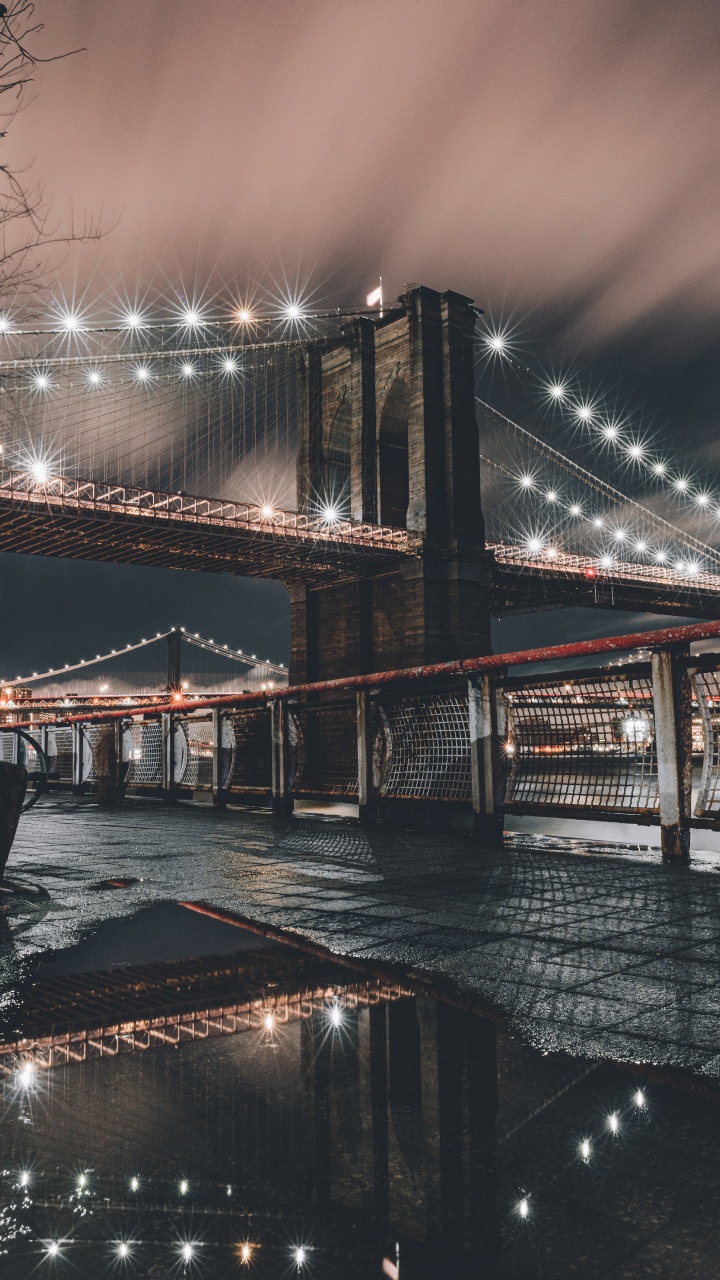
(606, 953)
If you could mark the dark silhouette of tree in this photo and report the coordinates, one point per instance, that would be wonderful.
(26, 233)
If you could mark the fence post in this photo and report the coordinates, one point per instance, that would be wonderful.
(487, 765)
(168, 756)
(218, 792)
(282, 801)
(672, 697)
(367, 797)
(78, 743)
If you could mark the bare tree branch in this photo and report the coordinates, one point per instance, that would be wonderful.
(25, 230)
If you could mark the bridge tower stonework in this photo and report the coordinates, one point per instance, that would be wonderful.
(387, 433)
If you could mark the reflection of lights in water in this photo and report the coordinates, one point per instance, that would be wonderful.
(187, 1252)
(123, 1250)
(53, 1249)
(134, 1184)
(585, 1149)
(24, 1179)
(269, 1020)
(245, 1253)
(82, 1181)
(613, 1123)
(300, 1256)
(26, 1075)
(336, 1015)
(184, 1187)
(523, 1208)
(639, 1099)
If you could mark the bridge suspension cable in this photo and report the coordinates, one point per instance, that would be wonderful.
(193, 638)
(589, 479)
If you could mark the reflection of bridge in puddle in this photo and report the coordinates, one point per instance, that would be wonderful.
(70, 1020)
(355, 1121)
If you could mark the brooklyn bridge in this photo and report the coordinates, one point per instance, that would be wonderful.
(404, 474)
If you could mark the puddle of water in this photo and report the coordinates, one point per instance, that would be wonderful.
(267, 1112)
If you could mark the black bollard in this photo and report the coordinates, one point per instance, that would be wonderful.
(13, 785)
(107, 768)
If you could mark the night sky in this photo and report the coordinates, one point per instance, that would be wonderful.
(557, 161)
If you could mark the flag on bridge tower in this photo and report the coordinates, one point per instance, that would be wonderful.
(375, 298)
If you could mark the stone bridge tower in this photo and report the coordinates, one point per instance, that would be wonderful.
(387, 432)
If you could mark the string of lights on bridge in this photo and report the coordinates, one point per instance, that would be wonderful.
(609, 431)
(188, 360)
(193, 637)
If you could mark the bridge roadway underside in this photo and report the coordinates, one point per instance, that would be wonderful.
(527, 589)
(191, 543)
(206, 546)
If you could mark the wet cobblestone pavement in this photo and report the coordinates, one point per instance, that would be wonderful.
(611, 956)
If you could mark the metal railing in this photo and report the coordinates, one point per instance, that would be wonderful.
(63, 493)
(465, 742)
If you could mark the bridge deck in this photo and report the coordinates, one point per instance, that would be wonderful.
(85, 520)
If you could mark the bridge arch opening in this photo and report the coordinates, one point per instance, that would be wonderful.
(337, 456)
(393, 455)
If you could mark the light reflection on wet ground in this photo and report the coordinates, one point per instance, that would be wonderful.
(609, 956)
(337, 1116)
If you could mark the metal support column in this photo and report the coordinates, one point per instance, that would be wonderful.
(78, 746)
(282, 801)
(168, 756)
(218, 791)
(672, 697)
(487, 761)
(367, 795)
